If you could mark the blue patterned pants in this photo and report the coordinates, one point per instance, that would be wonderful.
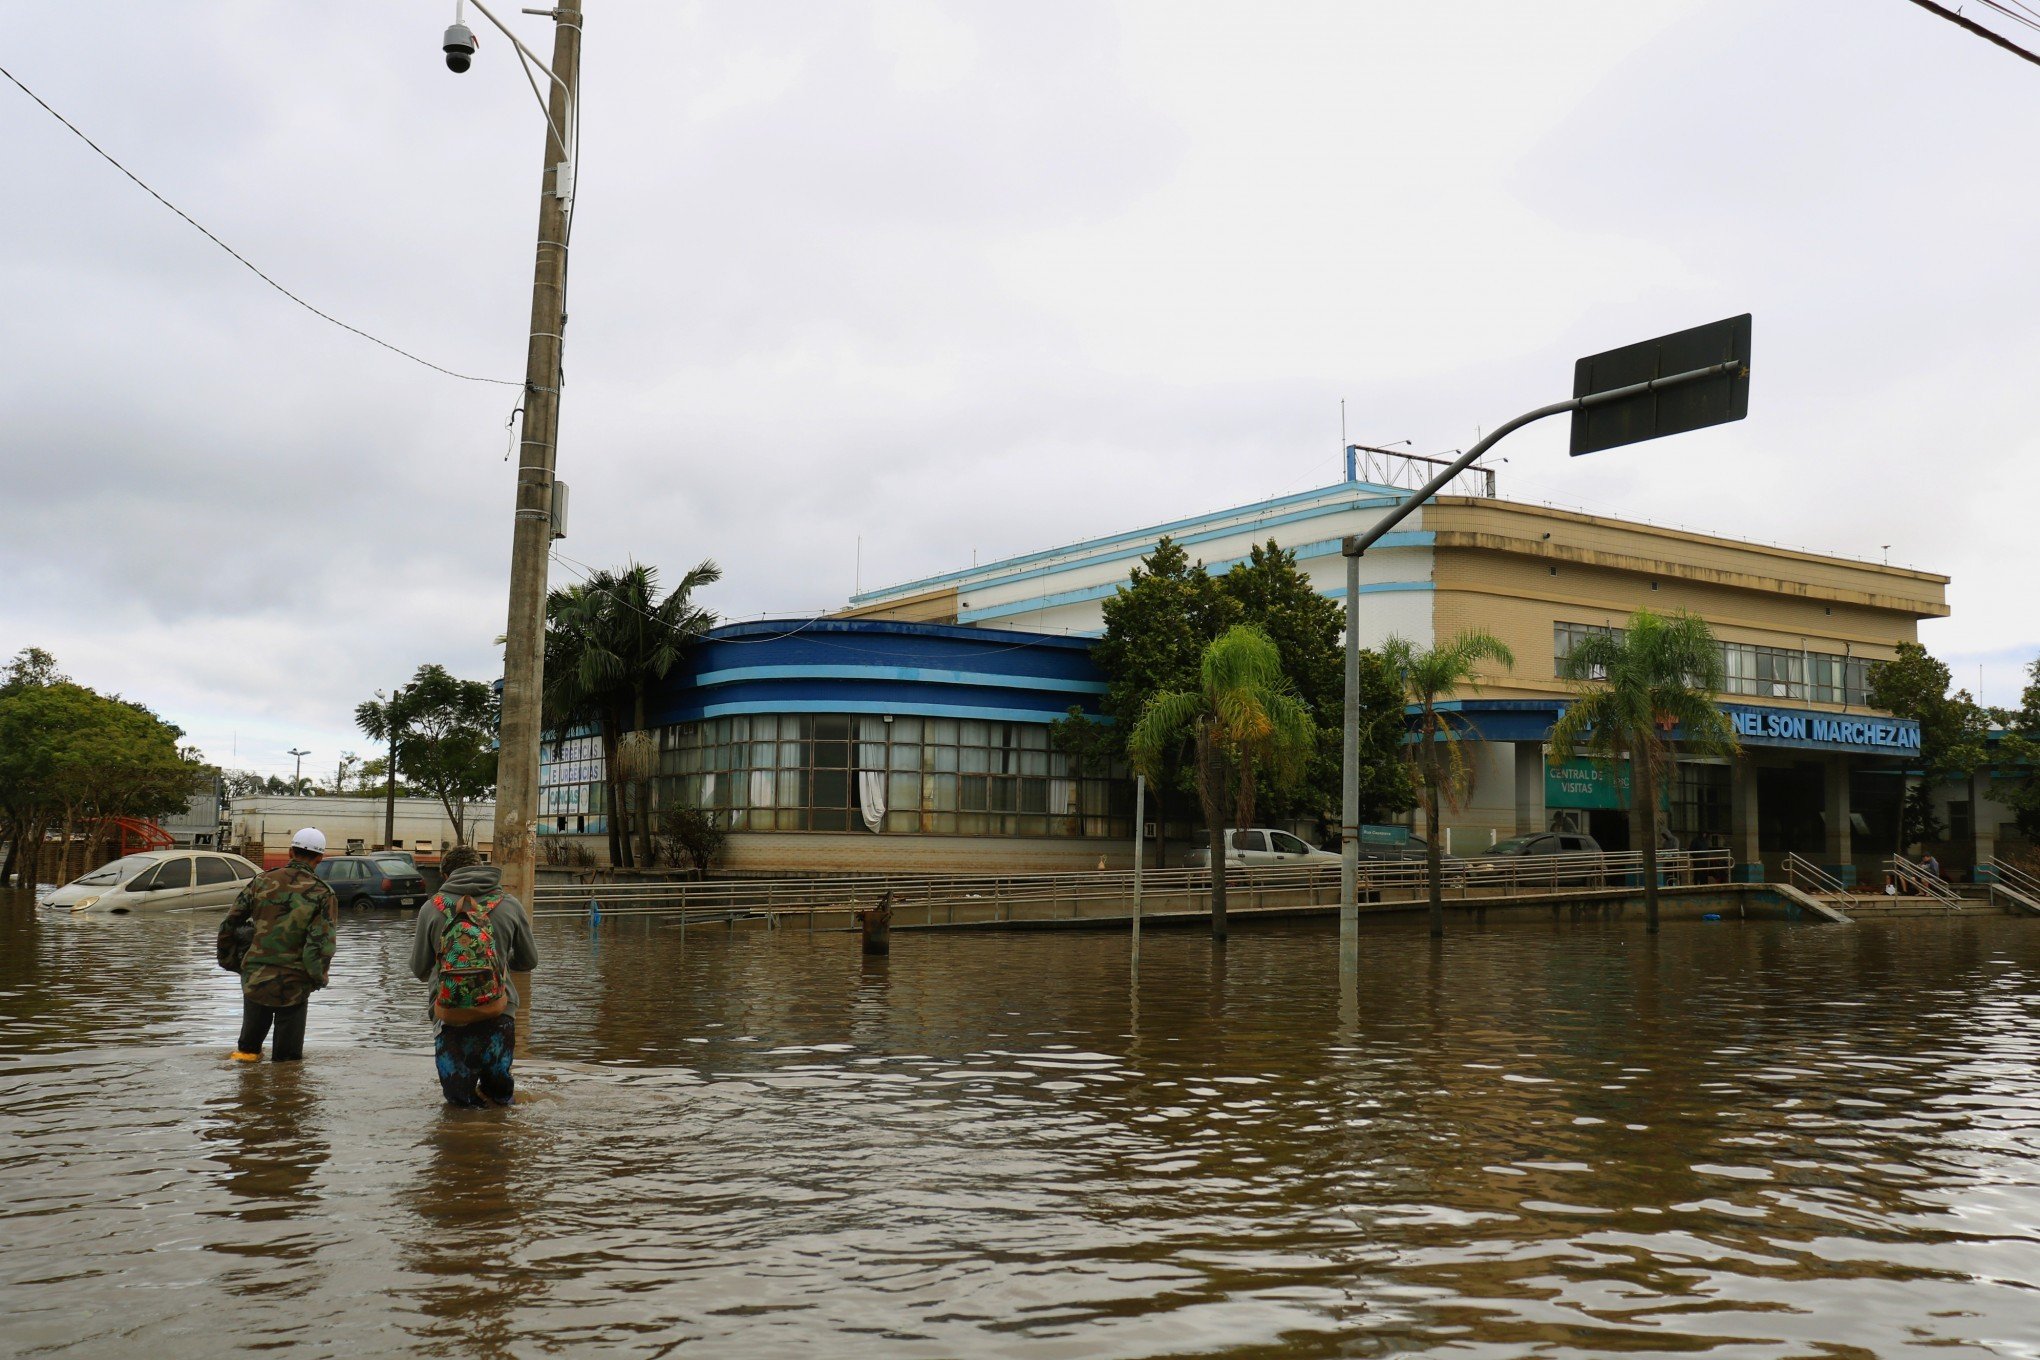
(474, 1061)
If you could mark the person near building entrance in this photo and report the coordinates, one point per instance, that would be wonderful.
(1930, 864)
(279, 937)
(470, 937)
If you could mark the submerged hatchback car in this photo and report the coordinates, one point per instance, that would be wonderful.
(156, 880)
(386, 878)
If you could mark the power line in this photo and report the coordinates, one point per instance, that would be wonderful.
(1978, 29)
(323, 316)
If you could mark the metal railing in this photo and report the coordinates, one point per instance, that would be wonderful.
(1915, 881)
(1803, 874)
(952, 898)
(2013, 882)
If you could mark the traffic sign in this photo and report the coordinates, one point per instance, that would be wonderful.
(1651, 412)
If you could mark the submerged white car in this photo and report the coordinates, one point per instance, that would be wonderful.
(156, 880)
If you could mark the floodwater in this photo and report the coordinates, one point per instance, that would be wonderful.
(1542, 1138)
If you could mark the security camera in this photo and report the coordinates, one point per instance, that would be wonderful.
(460, 47)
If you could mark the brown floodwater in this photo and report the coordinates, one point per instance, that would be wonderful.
(1540, 1138)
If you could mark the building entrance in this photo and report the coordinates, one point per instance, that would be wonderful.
(1790, 803)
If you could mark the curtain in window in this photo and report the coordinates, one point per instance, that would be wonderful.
(761, 788)
(1062, 797)
(871, 771)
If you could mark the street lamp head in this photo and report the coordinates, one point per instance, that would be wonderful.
(459, 45)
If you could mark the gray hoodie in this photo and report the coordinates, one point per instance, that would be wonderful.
(512, 929)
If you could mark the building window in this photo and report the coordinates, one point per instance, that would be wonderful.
(1756, 671)
(930, 776)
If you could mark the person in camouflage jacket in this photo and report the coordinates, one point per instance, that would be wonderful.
(288, 919)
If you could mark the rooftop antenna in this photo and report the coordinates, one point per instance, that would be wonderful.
(857, 574)
(1887, 554)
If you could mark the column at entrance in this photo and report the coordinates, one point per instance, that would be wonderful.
(1742, 817)
(1529, 787)
(1838, 855)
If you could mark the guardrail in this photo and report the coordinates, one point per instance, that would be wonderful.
(997, 897)
(1916, 881)
(1803, 874)
(2010, 881)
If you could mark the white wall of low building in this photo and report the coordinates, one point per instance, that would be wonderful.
(263, 825)
(1063, 590)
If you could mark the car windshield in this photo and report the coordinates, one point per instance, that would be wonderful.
(117, 872)
(1519, 846)
(395, 866)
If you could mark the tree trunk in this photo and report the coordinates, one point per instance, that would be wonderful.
(1210, 794)
(644, 787)
(1643, 777)
(14, 834)
(612, 788)
(1434, 849)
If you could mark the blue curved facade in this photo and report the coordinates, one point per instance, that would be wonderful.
(876, 666)
(870, 727)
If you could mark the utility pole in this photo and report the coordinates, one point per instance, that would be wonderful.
(531, 539)
(297, 781)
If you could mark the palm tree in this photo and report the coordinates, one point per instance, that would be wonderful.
(1637, 688)
(609, 640)
(1427, 678)
(1242, 714)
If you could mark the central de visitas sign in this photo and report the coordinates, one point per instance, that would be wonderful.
(1827, 731)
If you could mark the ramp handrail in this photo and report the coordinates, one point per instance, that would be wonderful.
(1803, 874)
(2015, 878)
(1922, 883)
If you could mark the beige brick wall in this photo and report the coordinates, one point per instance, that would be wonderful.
(1495, 568)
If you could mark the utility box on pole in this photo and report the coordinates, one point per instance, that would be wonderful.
(1664, 410)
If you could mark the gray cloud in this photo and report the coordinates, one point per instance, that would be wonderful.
(960, 278)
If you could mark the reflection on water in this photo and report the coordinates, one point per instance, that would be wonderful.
(1533, 1138)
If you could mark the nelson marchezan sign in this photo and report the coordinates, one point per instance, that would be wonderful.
(1839, 732)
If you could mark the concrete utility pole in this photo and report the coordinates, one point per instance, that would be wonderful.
(531, 539)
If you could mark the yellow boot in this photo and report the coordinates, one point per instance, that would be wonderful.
(238, 1056)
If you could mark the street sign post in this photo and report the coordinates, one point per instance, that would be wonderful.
(1683, 381)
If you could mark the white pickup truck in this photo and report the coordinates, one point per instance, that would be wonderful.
(1261, 845)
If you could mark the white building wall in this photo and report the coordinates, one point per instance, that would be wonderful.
(1063, 590)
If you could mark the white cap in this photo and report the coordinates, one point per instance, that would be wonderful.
(311, 838)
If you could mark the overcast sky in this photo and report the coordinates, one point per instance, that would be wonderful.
(964, 278)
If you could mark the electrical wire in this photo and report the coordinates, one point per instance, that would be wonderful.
(1978, 29)
(323, 316)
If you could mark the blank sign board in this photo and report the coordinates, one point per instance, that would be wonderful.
(1671, 410)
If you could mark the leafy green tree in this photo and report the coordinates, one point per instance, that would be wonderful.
(2016, 778)
(1241, 718)
(610, 640)
(1156, 629)
(1306, 629)
(1659, 677)
(1914, 684)
(445, 738)
(71, 757)
(1426, 678)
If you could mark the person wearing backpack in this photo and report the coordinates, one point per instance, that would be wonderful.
(470, 937)
(279, 937)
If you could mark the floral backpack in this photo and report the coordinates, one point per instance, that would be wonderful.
(470, 984)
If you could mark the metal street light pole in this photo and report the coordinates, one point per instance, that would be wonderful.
(520, 725)
(1353, 546)
(297, 780)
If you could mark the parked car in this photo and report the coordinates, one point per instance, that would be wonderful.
(384, 879)
(156, 880)
(1256, 846)
(1508, 856)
